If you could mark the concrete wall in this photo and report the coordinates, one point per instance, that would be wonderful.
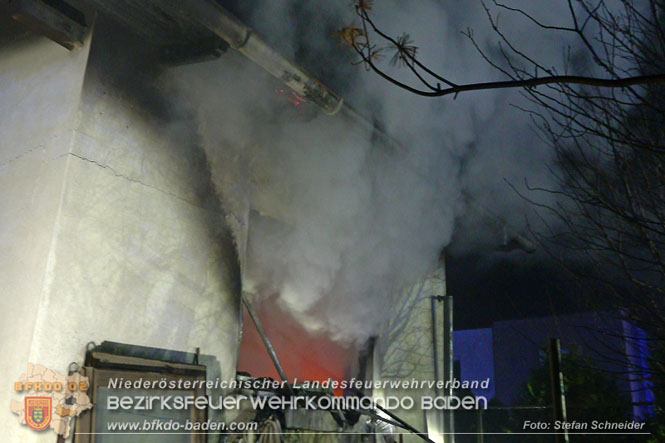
(40, 84)
(404, 350)
(109, 225)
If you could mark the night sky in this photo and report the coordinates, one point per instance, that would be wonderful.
(509, 286)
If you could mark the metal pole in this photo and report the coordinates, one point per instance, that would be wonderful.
(266, 342)
(448, 362)
(440, 425)
(435, 351)
(558, 391)
(481, 431)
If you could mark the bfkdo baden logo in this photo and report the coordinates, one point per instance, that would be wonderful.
(50, 399)
(38, 412)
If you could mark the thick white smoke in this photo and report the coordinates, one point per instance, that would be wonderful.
(339, 220)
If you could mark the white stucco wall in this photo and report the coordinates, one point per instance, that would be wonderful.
(404, 349)
(109, 226)
(40, 84)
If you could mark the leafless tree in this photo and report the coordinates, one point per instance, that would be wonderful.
(371, 43)
(397, 359)
(608, 135)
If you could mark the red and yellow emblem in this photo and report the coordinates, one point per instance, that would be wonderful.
(38, 412)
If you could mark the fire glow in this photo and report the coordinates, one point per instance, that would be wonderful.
(304, 356)
(292, 97)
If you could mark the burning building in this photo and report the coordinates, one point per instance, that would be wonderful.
(122, 241)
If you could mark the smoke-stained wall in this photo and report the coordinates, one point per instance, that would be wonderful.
(110, 228)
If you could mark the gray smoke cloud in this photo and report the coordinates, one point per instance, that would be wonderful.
(340, 221)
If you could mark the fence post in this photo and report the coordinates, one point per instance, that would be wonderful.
(481, 431)
(558, 390)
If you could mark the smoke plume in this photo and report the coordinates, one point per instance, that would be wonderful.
(339, 220)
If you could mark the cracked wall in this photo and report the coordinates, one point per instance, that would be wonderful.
(110, 227)
(40, 84)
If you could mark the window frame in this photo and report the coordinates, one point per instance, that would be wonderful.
(112, 360)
